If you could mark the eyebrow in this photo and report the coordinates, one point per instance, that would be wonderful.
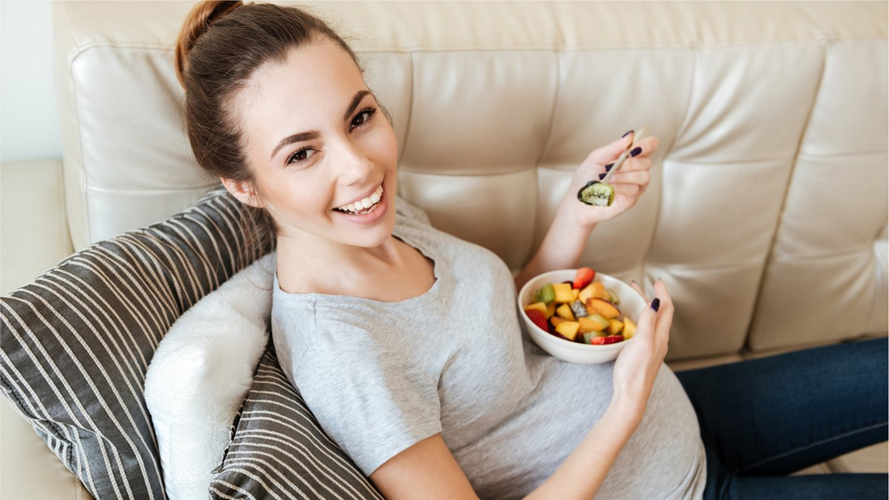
(313, 134)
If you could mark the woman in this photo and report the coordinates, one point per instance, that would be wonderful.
(376, 315)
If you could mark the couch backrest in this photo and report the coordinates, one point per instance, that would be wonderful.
(767, 209)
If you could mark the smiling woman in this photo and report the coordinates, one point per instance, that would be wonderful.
(301, 139)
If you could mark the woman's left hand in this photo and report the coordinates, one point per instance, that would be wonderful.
(629, 182)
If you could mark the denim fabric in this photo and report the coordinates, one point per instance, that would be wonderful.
(765, 418)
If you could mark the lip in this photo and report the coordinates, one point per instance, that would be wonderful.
(363, 196)
(368, 219)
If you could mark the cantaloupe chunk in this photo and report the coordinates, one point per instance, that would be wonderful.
(538, 306)
(587, 325)
(556, 320)
(602, 307)
(629, 328)
(569, 329)
(564, 311)
(599, 291)
(563, 293)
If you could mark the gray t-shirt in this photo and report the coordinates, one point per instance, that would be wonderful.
(381, 376)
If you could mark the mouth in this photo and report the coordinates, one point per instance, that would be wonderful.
(365, 205)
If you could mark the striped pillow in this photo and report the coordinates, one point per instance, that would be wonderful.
(280, 451)
(75, 343)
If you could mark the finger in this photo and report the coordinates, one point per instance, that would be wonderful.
(626, 189)
(661, 292)
(665, 312)
(610, 152)
(636, 287)
(634, 164)
(647, 322)
(638, 177)
(646, 146)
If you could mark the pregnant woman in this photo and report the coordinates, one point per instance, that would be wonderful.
(405, 341)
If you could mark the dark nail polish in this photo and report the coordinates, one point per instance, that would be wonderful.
(656, 304)
(636, 151)
(626, 134)
(608, 167)
(633, 281)
(601, 176)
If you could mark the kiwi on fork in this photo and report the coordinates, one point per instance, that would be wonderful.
(600, 193)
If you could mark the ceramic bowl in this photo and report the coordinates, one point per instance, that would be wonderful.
(631, 304)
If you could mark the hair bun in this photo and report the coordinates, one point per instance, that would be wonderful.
(197, 22)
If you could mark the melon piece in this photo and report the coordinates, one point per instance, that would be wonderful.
(556, 321)
(599, 291)
(629, 328)
(597, 322)
(563, 293)
(537, 306)
(546, 294)
(602, 307)
(588, 325)
(568, 329)
(615, 327)
(585, 293)
(564, 311)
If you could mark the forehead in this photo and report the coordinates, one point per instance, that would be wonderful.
(315, 80)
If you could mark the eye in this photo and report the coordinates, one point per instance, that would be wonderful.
(299, 156)
(358, 121)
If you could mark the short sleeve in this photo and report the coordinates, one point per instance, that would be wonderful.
(366, 397)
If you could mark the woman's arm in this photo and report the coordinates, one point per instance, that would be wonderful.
(582, 473)
(574, 221)
(561, 247)
(428, 469)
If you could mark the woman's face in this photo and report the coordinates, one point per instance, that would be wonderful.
(317, 141)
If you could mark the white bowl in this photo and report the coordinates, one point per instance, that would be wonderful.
(631, 304)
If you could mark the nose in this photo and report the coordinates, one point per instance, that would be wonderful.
(353, 164)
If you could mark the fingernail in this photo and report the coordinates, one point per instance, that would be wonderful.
(633, 281)
(608, 167)
(626, 134)
(656, 304)
(636, 151)
(601, 176)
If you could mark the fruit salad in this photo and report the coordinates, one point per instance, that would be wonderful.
(582, 311)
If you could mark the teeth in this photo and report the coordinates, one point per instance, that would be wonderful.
(365, 203)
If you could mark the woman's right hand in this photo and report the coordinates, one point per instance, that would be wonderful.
(637, 365)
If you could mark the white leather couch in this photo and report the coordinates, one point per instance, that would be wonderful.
(766, 215)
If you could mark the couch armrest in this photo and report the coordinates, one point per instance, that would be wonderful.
(33, 224)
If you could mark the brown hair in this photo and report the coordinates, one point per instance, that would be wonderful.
(220, 46)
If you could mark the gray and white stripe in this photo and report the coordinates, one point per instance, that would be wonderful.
(75, 343)
(280, 451)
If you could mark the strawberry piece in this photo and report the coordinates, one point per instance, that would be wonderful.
(538, 318)
(606, 340)
(584, 277)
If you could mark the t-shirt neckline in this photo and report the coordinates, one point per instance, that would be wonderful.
(322, 299)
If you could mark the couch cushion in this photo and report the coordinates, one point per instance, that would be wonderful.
(75, 343)
(280, 451)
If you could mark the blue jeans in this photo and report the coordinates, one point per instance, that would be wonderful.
(764, 418)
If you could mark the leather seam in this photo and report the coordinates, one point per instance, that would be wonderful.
(770, 256)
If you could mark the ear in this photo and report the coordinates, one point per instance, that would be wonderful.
(244, 191)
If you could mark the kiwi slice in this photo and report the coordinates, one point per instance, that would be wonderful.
(597, 194)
